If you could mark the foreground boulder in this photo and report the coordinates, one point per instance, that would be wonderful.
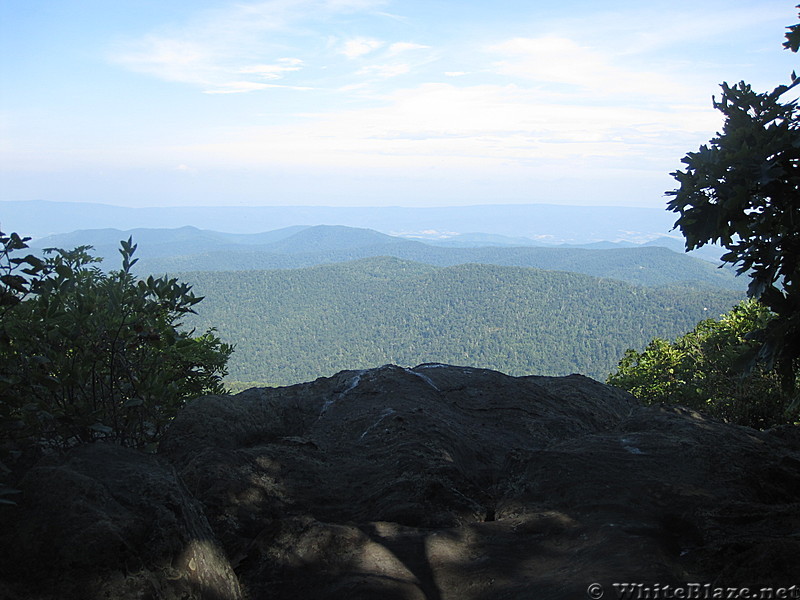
(436, 483)
(449, 482)
(110, 522)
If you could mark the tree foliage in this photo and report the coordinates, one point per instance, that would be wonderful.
(741, 191)
(701, 369)
(87, 355)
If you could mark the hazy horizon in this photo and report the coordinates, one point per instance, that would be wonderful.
(369, 102)
(183, 205)
(594, 223)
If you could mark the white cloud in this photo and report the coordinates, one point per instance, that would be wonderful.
(358, 47)
(614, 87)
(274, 71)
(547, 98)
(481, 127)
(384, 71)
(218, 46)
(184, 61)
(351, 5)
(647, 28)
(548, 59)
(223, 51)
(393, 16)
(236, 87)
(399, 47)
(240, 87)
(378, 71)
(559, 60)
(194, 62)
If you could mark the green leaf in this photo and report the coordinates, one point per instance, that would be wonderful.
(63, 271)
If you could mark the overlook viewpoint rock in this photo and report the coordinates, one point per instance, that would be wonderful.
(432, 483)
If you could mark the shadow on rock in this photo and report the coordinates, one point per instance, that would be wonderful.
(109, 522)
(431, 483)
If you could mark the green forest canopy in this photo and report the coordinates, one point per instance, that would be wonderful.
(295, 325)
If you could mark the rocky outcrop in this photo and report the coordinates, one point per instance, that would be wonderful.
(436, 482)
(109, 522)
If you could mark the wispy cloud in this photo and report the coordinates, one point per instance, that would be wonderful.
(463, 126)
(274, 71)
(562, 61)
(563, 96)
(180, 60)
(239, 48)
(398, 58)
(220, 46)
(358, 47)
(239, 87)
(400, 47)
(384, 71)
(564, 92)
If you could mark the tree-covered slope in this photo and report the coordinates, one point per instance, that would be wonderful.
(296, 325)
(652, 266)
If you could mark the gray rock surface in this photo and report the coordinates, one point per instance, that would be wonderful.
(436, 482)
(109, 522)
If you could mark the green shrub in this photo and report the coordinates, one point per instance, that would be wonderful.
(87, 355)
(703, 370)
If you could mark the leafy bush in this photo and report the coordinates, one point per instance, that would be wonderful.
(702, 370)
(87, 355)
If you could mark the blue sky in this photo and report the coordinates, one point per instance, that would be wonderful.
(369, 102)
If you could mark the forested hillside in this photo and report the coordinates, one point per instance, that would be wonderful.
(643, 266)
(296, 325)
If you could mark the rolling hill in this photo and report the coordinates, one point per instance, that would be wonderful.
(191, 249)
(299, 324)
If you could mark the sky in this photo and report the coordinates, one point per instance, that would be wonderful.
(369, 102)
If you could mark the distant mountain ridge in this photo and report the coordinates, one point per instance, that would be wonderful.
(192, 249)
(164, 242)
(544, 223)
